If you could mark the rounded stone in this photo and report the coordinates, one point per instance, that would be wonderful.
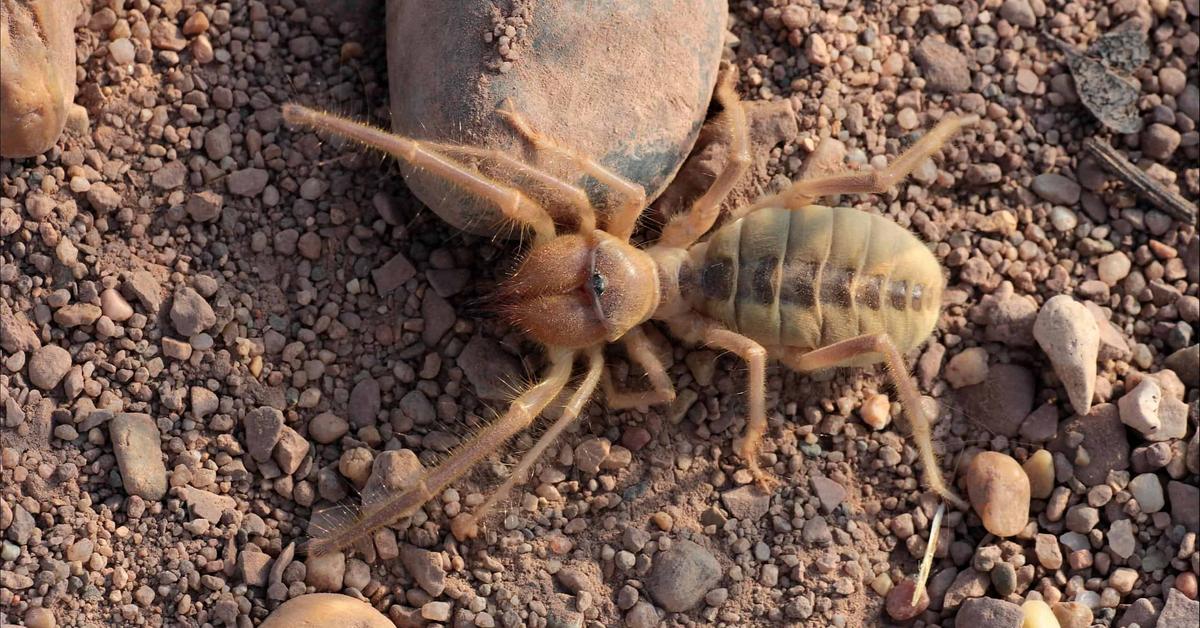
(115, 306)
(999, 492)
(326, 609)
(1039, 468)
(48, 365)
(446, 83)
(682, 575)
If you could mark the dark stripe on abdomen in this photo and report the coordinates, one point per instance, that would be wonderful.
(765, 280)
(796, 285)
(716, 279)
(835, 287)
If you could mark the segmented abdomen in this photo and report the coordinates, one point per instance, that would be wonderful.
(810, 277)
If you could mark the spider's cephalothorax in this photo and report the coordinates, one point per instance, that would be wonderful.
(811, 286)
(579, 290)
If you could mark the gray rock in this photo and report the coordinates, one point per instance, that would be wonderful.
(439, 317)
(1148, 491)
(16, 332)
(642, 615)
(291, 450)
(1068, 333)
(190, 313)
(48, 365)
(1056, 189)
(1121, 539)
(1172, 419)
(173, 174)
(682, 575)
(990, 612)
(1139, 407)
(747, 503)
(77, 315)
(1186, 364)
(207, 505)
(1018, 12)
(392, 274)
(816, 532)
(1041, 425)
(416, 406)
(204, 402)
(254, 567)
(325, 572)
(943, 66)
(138, 448)
(22, 526)
(1003, 400)
(364, 402)
(1185, 505)
(142, 285)
(425, 567)
(103, 198)
(392, 470)
(1179, 612)
(247, 182)
(1104, 440)
(205, 206)
(829, 493)
(968, 584)
(490, 369)
(327, 427)
(263, 428)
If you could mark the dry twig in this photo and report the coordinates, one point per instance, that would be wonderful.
(1169, 202)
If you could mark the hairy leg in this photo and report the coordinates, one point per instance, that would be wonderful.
(342, 532)
(881, 345)
(641, 351)
(686, 228)
(756, 425)
(576, 201)
(512, 203)
(631, 196)
(466, 526)
(871, 181)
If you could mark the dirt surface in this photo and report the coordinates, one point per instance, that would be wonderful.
(211, 324)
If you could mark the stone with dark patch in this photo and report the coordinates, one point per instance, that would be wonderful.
(1002, 401)
(1104, 441)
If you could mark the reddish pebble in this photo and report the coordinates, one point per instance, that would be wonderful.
(635, 438)
(1186, 583)
(899, 601)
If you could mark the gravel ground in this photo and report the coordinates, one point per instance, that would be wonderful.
(211, 324)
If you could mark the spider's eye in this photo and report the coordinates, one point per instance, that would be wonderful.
(598, 284)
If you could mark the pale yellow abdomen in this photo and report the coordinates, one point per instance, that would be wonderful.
(811, 277)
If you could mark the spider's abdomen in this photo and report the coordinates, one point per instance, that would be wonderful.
(811, 277)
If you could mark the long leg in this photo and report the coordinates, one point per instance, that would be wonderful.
(342, 532)
(756, 425)
(632, 196)
(881, 344)
(512, 203)
(573, 196)
(686, 228)
(466, 526)
(807, 191)
(638, 346)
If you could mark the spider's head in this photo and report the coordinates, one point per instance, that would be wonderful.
(581, 289)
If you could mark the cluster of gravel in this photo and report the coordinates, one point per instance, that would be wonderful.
(212, 325)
